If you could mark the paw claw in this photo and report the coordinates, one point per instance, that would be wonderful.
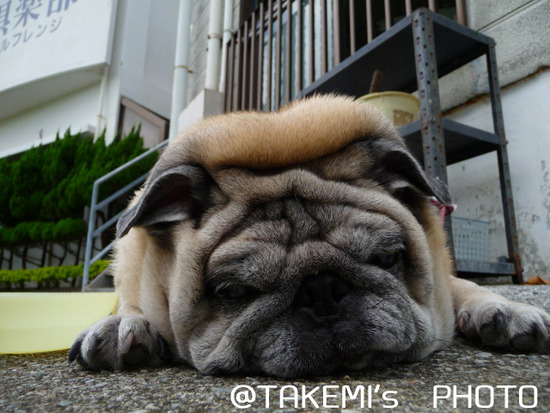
(117, 342)
(126, 343)
(463, 320)
(75, 350)
(494, 331)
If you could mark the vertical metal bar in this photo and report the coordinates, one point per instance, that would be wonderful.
(269, 52)
(408, 7)
(260, 77)
(432, 5)
(428, 94)
(336, 30)
(461, 12)
(387, 13)
(288, 51)
(299, 46)
(369, 22)
(244, 84)
(229, 82)
(324, 42)
(90, 237)
(252, 72)
(431, 128)
(311, 42)
(352, 34)
(278, 55)
(238, 61)
(503, 166)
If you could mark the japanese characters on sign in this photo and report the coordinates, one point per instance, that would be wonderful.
(22, 21)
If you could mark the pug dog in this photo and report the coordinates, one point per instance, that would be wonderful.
(293, 243)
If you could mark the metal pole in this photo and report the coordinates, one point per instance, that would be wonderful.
(260, 77)
(431, 127)
(245, 66)
(435, 160)
(181, 69)
(227, 34)
(278, 51)
(90, 237)
(370, 23)
(214, 47)
(504, 167)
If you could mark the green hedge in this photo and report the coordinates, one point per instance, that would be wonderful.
(49, 276)
(34, 232)
(43, 192)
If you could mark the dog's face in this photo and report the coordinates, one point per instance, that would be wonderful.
(293, 243)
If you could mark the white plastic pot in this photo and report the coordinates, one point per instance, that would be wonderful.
(399, 107)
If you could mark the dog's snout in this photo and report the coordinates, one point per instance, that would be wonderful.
(321, 293)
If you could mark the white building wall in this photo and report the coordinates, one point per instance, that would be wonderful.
(475, 185)
(148, 50)
(41, 124)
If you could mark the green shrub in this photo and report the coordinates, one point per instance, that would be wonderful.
(50, 276)
(43, 193)
(35, 232)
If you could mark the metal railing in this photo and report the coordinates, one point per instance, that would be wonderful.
(93, 233)
(287, 44)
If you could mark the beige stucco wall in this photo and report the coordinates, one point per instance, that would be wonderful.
(522, 34)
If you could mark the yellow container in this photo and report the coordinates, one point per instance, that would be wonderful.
(399, 107)
(36, 322)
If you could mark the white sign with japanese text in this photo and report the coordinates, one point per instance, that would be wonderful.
(42, 38)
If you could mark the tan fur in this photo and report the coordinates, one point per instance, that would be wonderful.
(442, 266)
(128, 272)
(297, 134)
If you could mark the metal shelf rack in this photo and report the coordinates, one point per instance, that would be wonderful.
(413, 54)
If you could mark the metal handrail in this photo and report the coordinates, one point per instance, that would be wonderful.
(95, 206)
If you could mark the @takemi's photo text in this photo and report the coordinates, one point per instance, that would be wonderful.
(333, 396)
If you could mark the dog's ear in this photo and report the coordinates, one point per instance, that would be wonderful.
(398, 170)
(171, 196)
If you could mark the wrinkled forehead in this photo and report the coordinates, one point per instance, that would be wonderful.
(292, 232)
(307, 203)
(293, 221)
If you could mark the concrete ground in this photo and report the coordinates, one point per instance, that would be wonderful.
(47, 383)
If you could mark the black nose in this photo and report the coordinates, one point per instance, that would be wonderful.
(321, 293)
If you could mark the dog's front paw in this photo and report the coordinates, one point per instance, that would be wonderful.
(119, 342)
(506, 324)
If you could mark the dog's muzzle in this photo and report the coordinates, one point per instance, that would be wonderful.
(322, 293)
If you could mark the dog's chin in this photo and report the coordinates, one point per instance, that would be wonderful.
(319, 362)
(321, 367)
(319, 347)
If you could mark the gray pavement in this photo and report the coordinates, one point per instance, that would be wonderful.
(46, 383)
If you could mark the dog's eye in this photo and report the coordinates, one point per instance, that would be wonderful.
(386, 260)
(233, 292)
